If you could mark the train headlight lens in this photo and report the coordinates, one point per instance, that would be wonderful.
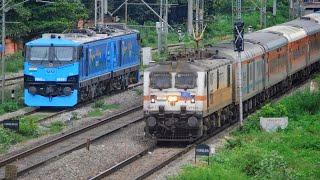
(193, 99)
(193, 121)
(32, 90)
(67, 91)
(151, 121)
(153, 98)
(172, 98)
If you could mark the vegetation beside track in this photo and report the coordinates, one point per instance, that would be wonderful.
(99, 106)
(11, 105)
(292, 153)
(29, 129)
(14, 63)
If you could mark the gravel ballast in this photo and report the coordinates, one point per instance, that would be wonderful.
(126, 100)
(82, 164)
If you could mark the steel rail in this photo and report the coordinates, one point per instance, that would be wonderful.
(123, 163)
(68, 136)
(66, 110)
(13, 78)
(182, 152)
(143, 153)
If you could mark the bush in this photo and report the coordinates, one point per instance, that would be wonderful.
(29, 128)
(14, 63)
(56, 126)
(292, 153)
(10, 106)
(98, 104)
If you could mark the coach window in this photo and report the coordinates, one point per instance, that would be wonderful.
(228, 76)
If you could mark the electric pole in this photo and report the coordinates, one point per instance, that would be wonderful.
(263, 14)
(190, 17)
(160, 30)
(126, 12)
(3, 48)
(239, 47)
(165, 47)
(197, 17)
(100, 9)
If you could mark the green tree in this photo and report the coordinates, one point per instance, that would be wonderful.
(16, 18)
(55, 17)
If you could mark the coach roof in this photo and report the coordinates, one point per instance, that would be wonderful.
(309, 25)
(290, 32)
(268, 40)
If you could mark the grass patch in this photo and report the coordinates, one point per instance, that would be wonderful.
(14, 63)
(139, 92)
(29, 129)
(100, 105)
(11, 105)
(292, 153)
(56, 127)
(95, 113)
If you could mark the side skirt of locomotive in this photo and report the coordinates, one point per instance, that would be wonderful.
(105, 84)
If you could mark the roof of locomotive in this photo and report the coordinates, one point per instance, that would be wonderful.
(212, 63)
(309, 25)
(85, 38)
(290, 32)
(200, 65)
(268, 40)
(174, 66)
(55, 41)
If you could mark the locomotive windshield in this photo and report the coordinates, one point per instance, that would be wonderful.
(63, 53)
(39, 53)
(160, 80)
(51, 54)
(185, 81)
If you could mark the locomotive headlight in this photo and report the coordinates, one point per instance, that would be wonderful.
(193, 99)
(32, 90)
(192, 121)
(172, 98)
(151, 121)
(153, 98)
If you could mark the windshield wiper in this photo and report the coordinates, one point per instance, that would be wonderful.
(44, 57)
(55, 55)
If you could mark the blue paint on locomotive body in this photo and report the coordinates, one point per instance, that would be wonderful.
(58, 101)
(91, 60)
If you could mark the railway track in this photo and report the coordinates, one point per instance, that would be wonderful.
(127, 166)
(67, 143)
(11, 81)
(151, 160)
(55, 114)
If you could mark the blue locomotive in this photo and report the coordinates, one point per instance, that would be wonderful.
(61, 70)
